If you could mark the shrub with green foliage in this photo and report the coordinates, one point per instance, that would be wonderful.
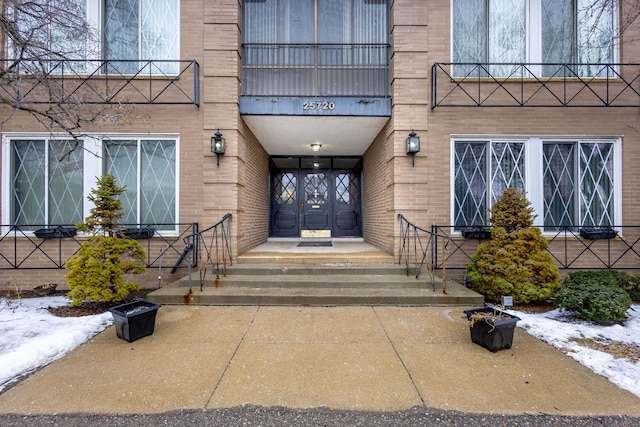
(515, 261)
(97, 271)
(594, 295)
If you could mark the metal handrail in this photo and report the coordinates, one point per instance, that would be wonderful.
(100, 81)
(214, 243)
(470, 84)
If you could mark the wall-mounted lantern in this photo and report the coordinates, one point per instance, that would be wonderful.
(413, 146)
(217, 146)
(316, 147)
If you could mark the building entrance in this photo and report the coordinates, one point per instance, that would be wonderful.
(319, 195)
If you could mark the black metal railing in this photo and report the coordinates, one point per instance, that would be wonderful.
(571, 247)
(534, 85)
(214, 244)
(270, 69)
(100, 81)
(40, 247)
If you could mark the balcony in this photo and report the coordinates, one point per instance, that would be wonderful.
(100, 81)
(315, 70)
(534, 85)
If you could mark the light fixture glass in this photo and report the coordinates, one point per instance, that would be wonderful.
(316, 147)
(413, 146)
(217, 146)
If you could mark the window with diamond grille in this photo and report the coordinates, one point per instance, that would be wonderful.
(148, 170)
(483, 170)
(47, 182)
(566, 32)
(575, 188)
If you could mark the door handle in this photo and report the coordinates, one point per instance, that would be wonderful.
(302, 206)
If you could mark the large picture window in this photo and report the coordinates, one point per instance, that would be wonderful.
(550, 32)
(126, 32)
(50, 179)
(576, 185)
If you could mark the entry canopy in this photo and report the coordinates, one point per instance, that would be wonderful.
(293, 135)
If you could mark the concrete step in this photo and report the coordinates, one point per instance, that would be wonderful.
(317, 296)
(373, 257)
(322, 269)
(279, 284)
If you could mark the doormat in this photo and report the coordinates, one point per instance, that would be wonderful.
(312, 244)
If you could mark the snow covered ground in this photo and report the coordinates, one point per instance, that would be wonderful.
(31, 337)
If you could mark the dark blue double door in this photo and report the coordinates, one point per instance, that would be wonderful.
(315, 199)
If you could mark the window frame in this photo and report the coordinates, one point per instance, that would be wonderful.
(93, 166)
(534, 172)
(95, 17)
(533, 41)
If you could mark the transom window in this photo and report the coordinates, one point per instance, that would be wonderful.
(551, 32)
(570, 183)
(50, 179)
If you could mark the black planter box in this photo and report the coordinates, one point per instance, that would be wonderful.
(477, 233)
(492, 335)
(55, 233)
(595, 233)
(134, 320)
(139, 233)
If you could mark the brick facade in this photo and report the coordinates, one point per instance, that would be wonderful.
(419, 36)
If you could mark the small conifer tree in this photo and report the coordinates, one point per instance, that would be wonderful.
(97, 271)
(515, 261)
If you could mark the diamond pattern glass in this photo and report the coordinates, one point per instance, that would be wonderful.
(507, 167)
(121, 160)
(65, 186)
(507, 35)
(316, 189)
(28, 183)
(557, 35)
(470, 183)
(596, 184)
(158, 182)
(285, 184)
(469, 35)
(346, 188)
(559, 184)
(141, 29)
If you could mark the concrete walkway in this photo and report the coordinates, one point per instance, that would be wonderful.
(355, 358)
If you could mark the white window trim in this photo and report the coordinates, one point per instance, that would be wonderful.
(534, 170)
(92, 167)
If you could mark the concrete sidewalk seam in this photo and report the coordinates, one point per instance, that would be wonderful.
(226, 368)
(395, 350)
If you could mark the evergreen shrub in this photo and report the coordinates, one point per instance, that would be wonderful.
(515, 261)
(97, 271)
(595, 295)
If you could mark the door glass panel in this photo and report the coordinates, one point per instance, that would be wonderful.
(346, 188)
(315, 188)
(284, 188)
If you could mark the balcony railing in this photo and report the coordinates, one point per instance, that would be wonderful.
(315, 70)
(535, 85)
(100, 81)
